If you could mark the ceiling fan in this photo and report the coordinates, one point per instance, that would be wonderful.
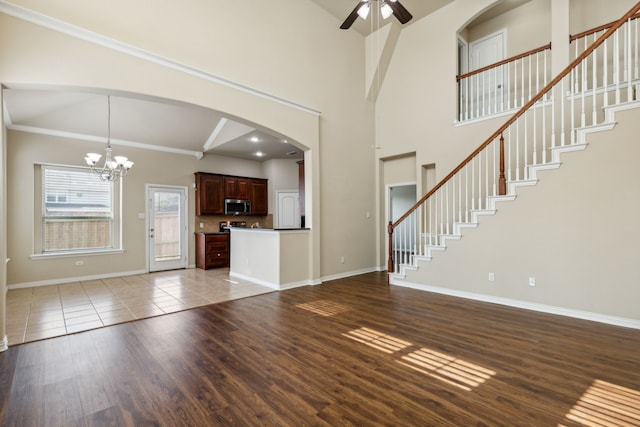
(387, 8)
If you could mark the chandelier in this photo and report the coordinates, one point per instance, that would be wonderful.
(114, 167)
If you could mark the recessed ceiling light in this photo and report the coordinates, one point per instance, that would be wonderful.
(284, 141)
(255, 139)
(259, 153)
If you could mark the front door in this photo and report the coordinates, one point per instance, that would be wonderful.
(166, 207)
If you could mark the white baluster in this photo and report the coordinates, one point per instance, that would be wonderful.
(486, 179)
(446, 216)
(473, 185)
(635, 45)
(573, 109)
(627, 60)
(522, 82)
(466, 192)
(616, 65)
(594, 78)
(519, 174)
(605, 72)
(509, 160)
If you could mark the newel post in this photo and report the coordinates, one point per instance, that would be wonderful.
(502, 181)
(390, 232)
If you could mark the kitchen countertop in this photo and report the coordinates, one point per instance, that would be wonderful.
(210, 232)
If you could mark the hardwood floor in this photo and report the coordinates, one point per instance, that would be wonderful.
(348, 352)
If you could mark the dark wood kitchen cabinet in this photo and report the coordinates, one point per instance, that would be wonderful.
(237, 187)
(212, 189)
(209, 194)
(212, 250)
(259, 197)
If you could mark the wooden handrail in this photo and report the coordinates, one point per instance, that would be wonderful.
(597, 29)
(520, 112)
(504, 61)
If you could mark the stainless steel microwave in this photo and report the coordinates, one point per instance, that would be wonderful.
(237, 207)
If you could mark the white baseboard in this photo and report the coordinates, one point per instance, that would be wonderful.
(74, 279)
(275, 286)
(349, 274)
(543, 308)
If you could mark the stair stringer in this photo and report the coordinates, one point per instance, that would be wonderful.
(397, 278)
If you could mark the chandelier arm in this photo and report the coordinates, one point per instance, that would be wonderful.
(112, 170)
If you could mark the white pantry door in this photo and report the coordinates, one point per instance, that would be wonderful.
(288, 212)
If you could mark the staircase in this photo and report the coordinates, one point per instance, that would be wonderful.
(602, 80)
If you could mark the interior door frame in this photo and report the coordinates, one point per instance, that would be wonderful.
(185, 222)
(388, 213)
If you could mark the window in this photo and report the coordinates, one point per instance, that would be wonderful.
(77, 211)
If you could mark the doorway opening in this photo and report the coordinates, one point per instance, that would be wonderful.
(400, 198)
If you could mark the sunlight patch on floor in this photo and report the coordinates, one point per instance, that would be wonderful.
(324, 307)
(452, 370)
(606, 404)
(377, 340)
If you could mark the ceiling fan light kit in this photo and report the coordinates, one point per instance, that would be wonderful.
(387, 8)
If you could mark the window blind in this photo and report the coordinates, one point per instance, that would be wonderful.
(77, 210)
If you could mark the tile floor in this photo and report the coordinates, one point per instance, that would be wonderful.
(53, 310)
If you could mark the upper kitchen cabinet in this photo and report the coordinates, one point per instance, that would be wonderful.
(209, 194)
(259, 198)
(237, 188)
(212, 190)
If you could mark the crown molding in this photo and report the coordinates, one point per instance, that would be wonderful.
(103, 140)
(101, 40)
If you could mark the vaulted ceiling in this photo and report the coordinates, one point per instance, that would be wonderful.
(176, 127)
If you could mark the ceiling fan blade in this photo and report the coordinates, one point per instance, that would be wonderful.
(351, 18)
(400, 12)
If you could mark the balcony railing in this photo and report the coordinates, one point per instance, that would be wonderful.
(504, 86)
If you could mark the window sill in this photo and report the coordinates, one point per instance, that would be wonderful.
(36, 257)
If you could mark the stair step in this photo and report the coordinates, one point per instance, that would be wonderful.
(611, 110)
(533, 169)
(557, 151)
(504, 198)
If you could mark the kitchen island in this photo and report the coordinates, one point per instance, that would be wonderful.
(278, 259)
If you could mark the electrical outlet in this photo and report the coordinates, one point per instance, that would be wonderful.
(342, 260)
(80, 262)
(532, 281)
(492, 277)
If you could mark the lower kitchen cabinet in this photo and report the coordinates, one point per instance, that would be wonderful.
(212, 250)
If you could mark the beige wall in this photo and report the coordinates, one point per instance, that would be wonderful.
(248, 43)
(588, 14)
(575, 232)
(282, 175)
(527, 27)
(418, 104)
(152, 167)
